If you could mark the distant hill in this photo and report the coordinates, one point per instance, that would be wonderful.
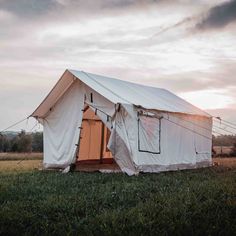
(12, 134)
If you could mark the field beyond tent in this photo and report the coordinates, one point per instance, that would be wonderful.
(200, 202)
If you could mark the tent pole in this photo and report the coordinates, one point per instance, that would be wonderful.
(102, 143)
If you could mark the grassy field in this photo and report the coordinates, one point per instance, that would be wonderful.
(225, 161)
(20, 161)
(20, 165)
(192, 202)
(10, 156)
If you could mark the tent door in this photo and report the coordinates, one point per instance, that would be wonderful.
(94, 139)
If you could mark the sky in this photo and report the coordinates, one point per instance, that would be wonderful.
(185, 46)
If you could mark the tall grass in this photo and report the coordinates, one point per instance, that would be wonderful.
(11, 156)
(199, 202)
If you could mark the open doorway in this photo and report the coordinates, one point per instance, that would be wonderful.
(93, 154)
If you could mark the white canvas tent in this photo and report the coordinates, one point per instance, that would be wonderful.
(151, 129)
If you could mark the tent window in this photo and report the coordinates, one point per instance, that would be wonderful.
(149, 134)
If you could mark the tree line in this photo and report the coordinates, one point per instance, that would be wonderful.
(224, 140)
(33, 142)
(21, 142)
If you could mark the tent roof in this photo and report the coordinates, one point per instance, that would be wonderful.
(119, 91)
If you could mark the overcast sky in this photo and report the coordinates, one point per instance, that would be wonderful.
(186, 46)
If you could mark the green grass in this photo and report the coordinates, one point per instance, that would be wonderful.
(197, 202)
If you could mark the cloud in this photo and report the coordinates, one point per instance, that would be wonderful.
(28, 8)
(174, 26)
(36, 8)
(40, 39)
(226, 113)
(218, 16)
(103, 4)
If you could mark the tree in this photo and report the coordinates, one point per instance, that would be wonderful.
(37, 142)
(233, 151)
(24, 142)
(14, 144)
(224, 140)
(1, 142)
(4, 143)
(21, 143)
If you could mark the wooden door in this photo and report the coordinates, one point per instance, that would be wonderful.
(91, 140)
